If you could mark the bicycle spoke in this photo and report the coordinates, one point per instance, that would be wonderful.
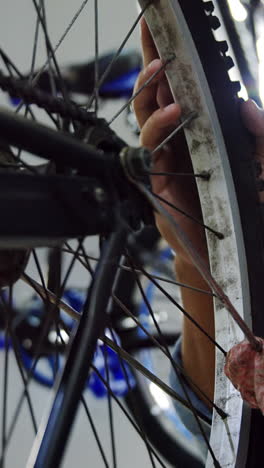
(154, 276)
(82, 257)
(195, 220)
(185, 121)
(6, 346)
(53, 284)
(11, 66)
(100, 447)
(45, 328)
(66, 32)
(116, 55)
(133, 97)
(110, 411)
(161, 343)
(50, 55)
(87, 261)
(50, 49)
(204, 176)
(201, 266)
(125, 412)
(96, 66)
(174, 365)
(147, 303)
(137, 415)
(149, 375)
(50, 69)
(26, 394)
(34, 52)
(53, 299)
(185, 313)
(41, 276)
(71, 265)
(32, 67)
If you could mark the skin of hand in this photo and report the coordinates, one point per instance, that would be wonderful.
(253, 119)
(157, 117)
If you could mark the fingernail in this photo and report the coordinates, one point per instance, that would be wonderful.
(169, 107)
(254, 103)
(151, 66)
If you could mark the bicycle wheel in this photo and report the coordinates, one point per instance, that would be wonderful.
(223, 207)
(222, 94)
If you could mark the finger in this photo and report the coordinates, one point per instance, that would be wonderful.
(164, 95)
(146, 101)
(159, 125)
(149, 50)
(253, 117)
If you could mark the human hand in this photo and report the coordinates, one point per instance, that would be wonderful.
(253, 118)
(158, 115)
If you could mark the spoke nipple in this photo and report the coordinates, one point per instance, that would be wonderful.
(219, 235)
(205, 175)
(169, 59)
(187, 119)
(99, 194)
(191, 116)
(221, 413)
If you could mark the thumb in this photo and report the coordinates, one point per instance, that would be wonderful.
(253, 118)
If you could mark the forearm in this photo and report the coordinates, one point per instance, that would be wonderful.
(198, 352)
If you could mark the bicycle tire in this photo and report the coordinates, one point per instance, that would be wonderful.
(244, 50)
